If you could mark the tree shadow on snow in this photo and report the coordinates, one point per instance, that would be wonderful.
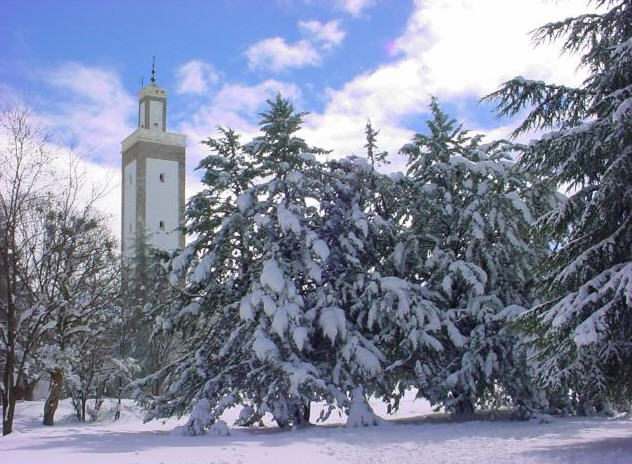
(612, 450)
(433, 428)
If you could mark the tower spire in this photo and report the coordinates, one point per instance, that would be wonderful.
(153, 70)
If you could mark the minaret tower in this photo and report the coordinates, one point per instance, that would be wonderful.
(153, 168)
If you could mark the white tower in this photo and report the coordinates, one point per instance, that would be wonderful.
(153, 168)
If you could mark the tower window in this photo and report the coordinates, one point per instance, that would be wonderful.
(130, 179)
(162, 177)
(162, 225)
(130, 227)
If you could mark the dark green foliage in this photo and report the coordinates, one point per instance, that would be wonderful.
(468, 243)
(585, 324)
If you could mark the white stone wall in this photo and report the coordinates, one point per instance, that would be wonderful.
(161, 203)
(155, 115)
(141, 121)
(129, 210)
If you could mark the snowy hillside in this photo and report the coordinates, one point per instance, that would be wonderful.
(414, 435)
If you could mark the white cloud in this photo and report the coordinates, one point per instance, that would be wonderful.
(239, 97)
(471, 46)
(106, 181)
(354, 7)
(95, 181)
(90, 115)
(195, 77)
(327, 34)
(344, 133)
(91, 119)
(455, 50)
(276, 54)
(93, 113)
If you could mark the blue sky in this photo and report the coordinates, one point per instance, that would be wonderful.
(80, 63)
(123, 35)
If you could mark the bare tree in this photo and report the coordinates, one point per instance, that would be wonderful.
(79, 292)
(59, 270)
(77, 279)
(23, 186)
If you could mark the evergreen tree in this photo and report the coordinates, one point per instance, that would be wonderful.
(214, 272)
(585, 325)
(247, 312)
(284, 300)
(386, 315)
(468, 244)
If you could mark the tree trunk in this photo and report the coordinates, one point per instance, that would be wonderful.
(306, 412)
(8, 394)
(56, 379)
(300, 416)
(464, 408)
(8, 376)
(20, 391)
(8, 410)
(155, 387)
(29, 393)
(7, 423)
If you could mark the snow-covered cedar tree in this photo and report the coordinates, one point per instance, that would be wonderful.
(467, 243)
(284, 303)
(248, 312)
(384, 314)
(202, 419)
(585, 324)
(214, 271)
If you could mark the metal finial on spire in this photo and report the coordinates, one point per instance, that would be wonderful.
(153, 70)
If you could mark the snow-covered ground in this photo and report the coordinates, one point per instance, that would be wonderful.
(413, 435)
